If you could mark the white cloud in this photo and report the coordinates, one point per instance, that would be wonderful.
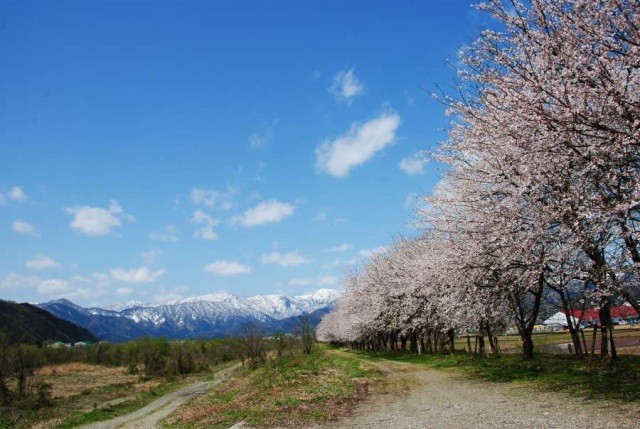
(151, 256)
(168, 233)
(258, 141)
(338, 157)
(320, 281)
(333, 264)
(117, 210)
(346, 86)
(42, 262)
(174, 294)
(290, 259)
(23, 228)
(368, 253)
(207, 223)
(341, 248)
(124, 291)
(270, 211)
(322, 216)
(324, 281)
(227, 268)
(213, 198)
(53, 286)
(96, 221)
(16, 281)
(17, 194)
(102, 280)
(136, 275)
(299, 282)
(414, 164)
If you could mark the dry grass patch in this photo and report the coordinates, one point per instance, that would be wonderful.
(289, 392)
(73, 379)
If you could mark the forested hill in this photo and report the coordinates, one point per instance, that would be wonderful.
(25, 323)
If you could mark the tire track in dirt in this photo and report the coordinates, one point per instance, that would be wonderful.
(148, 416)
(444, 399)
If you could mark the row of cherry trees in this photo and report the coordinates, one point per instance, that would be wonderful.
(542, 193)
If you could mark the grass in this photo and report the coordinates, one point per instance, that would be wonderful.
(620, 382)
(110, 412)
(513, 344)
(290, 391)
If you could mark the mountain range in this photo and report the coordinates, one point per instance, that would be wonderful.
(215, 315)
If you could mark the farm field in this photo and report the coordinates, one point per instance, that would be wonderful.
(627, 340)
(81, 393)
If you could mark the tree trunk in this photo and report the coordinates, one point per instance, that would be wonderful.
(482, 349)
(413, 343)
(492, 342)
(527, 347)
(605, 326)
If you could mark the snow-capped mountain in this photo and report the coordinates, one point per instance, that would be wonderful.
(214, 315)
(281, 306)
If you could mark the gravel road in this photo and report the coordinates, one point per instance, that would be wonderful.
(148, 417)
(440, 399)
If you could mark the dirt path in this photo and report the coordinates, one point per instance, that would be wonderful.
(147, 417)
(439, 399)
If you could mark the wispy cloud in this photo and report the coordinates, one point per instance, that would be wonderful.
(22, 227)
(16, 281)
(168, 233)
(42, 262)
(290, 259)
(96, 221)
(319, 281)
(270, 211)
(212, 198)
(14, 194)
(150, 257)
(53, 286)
(340, 248)
(413, 165)
(368, 253)
(339, 156)
(206, 223)
(124, 291)
(136, 275)
(172, 294)
(346, 86)
(227, 268)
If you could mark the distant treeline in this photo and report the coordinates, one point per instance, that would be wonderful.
(21, 388)
(149, 357)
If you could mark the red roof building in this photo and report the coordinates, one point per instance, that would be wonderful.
(590, 314)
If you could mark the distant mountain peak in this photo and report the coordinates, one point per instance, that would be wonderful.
(126, 305)
(212, 297)
(215, 314)
(322, 294)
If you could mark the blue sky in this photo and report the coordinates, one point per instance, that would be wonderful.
(155, 150)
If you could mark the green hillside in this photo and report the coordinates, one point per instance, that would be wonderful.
(25, 323)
